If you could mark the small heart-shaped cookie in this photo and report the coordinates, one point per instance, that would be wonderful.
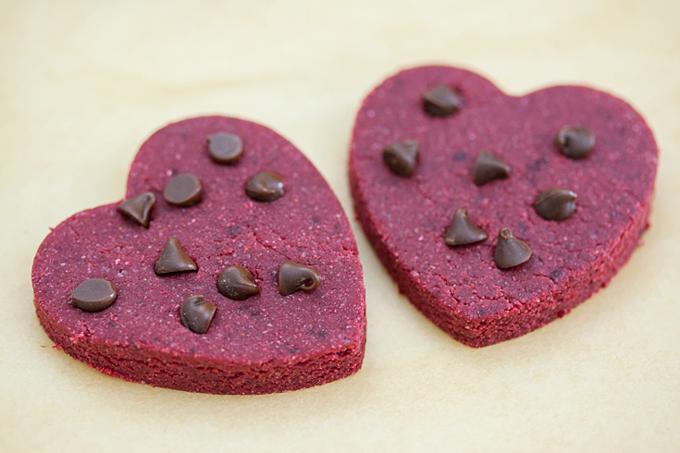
(180, 284)
(513, 211)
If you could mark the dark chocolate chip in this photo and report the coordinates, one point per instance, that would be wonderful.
(225, 148)
(401, 157)
(575, 142)
(94, 294)
(236, 282)
(197, 314)
(441, 101)
(555, 203)
(265, 186)
(173, 259)
(488, 167)
(138, 208)
(183, 190)
(294, 277)
(462, 231)
(510, 251)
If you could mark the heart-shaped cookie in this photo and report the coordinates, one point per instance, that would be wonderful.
(497, 214)
(182, 284)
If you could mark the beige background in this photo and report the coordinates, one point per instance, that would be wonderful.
(82, 84)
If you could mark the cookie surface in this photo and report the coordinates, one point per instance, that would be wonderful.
(262, 344)
(461, 288)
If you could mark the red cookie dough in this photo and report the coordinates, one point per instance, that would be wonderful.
(266, 343)
(460, 288)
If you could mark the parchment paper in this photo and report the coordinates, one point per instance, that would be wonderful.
(83, 84)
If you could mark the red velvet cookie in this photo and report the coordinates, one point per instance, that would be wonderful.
(182, 285)
(497, 214)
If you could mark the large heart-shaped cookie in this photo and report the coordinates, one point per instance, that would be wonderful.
(132, 288)
(559, 181)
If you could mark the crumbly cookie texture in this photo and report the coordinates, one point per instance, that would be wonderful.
(560, 180)
(177, 319)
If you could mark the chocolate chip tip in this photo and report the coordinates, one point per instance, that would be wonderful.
(402, 157)
(510, 251)
(462, 231)
(197, 314)
(237, 283)
(138, 208)
(174, 259)
(441, 101)
(488, 167)
(295, 277)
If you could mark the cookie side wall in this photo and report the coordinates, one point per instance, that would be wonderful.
(191, 374)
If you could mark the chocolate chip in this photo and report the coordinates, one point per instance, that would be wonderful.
(575, 142)
(225, 148)
(462, 231)
(197, 314)
(441, 101)
(555, 203)
(94, 294)
(236, 282)
(183, 190)
(488, 167)
(510, 251)
(294, 277)
(173, 259)
(401, 157)
(138, 208)
(265, 186)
